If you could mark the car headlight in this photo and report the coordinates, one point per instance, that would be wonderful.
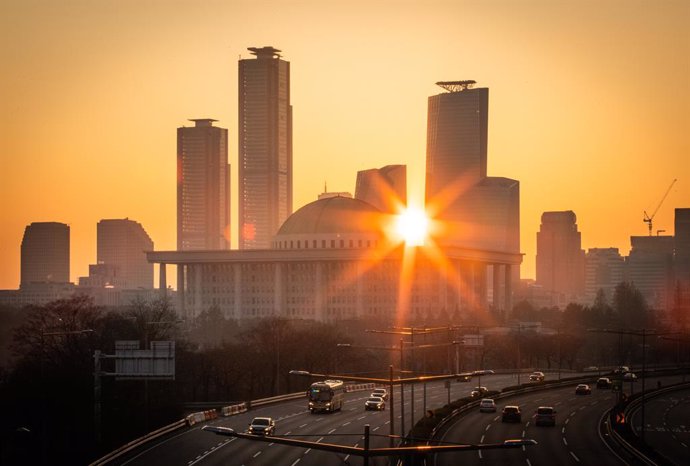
(328, 404)
(311, 403)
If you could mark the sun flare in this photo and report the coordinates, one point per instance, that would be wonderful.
(412, 226)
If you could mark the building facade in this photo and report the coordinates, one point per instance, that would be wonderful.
(333, 259)
(203, 187)
(385, 188)
(604, 270)
(650, 268)
(121, 252)
(560, 257)
(265, 147)
(45, 253)
(456, 147)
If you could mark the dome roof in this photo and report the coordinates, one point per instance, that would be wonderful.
(333, 215)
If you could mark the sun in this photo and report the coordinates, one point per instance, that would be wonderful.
(412, 225)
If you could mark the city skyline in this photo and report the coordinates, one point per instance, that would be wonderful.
(596, 124)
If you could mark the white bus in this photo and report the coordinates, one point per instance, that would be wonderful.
(326, 396)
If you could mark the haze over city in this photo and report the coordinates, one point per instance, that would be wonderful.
(589, 105)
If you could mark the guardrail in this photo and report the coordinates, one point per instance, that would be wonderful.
(527, 389)
(140, 441)
(621, 442)
(207, 415)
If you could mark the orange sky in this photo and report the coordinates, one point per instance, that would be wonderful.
(589, 104)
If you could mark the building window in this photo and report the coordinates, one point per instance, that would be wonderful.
(342, 243)
(332, 243)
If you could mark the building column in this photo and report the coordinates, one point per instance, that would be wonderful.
(237, 277)
(198, 270)
(496, 301)
(181, 304)
(162, 279)
(508, 306)
(278, 295)
(320, 304)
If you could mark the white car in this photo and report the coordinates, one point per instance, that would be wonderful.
(381, 392)
(487, 405)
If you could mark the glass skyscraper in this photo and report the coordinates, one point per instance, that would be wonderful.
(203, 187)
(265, 147)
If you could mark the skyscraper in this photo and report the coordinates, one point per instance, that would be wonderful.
(560, 257)
(265, 147)
(121, 247)
(385, 188)
(604, 270)
(203, 187)
(456, 145)
(45, 253)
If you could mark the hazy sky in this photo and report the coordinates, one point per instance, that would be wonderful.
(589, 104)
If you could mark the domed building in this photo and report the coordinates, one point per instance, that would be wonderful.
(334, 259)
(333, 223)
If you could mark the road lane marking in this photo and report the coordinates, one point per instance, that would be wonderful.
(528, 463)
(345, 459)
(308, 450)
(331, 431)
(319, 440)
(480, 454)
(576, 458)
(347, 423)
(303, 425)
(375, 429)
(295, 462)
(565, 441)
(563, 430)
(527, 425)
(360, 418)
(487, 428)
(257, 453)
(496, 418)
(523, 434)
(481, 440)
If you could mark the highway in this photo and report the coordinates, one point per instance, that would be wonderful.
(667, 429)
(575, 438)
(195, 447)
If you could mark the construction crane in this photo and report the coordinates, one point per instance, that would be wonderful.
(648, 218)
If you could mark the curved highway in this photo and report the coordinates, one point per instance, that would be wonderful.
(667, 425)
(574, 439)
(195, 447)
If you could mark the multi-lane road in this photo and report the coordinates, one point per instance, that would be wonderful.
(667, 425)
(573, 440)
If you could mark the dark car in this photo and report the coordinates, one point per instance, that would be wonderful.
(603, 382)
(583, 389)
(262, 426)
(511, 414)
(479, 391)
(545, 416)
(375, 403)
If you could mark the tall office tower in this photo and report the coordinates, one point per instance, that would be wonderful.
(203, 187)
(122, 244)
(560, 258)
(604, 270)
(650, 268)
(682, 245)
(45, 253)
(456, 141)
(265, 147)
(385, 188)
(681, 261)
